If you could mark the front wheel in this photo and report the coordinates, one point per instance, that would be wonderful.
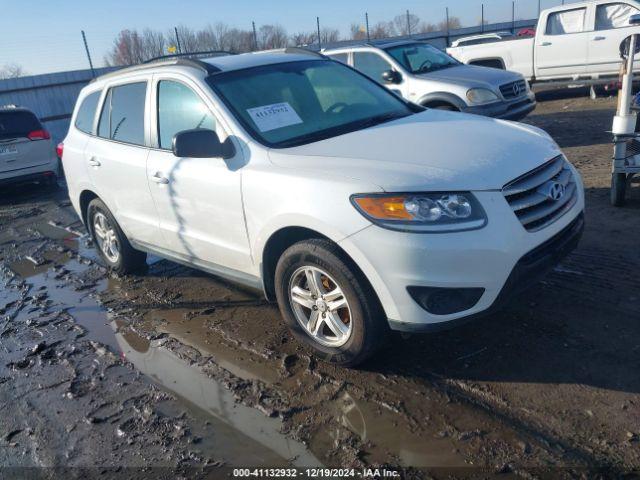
(112, 244)
(618, 189)
(328, 304)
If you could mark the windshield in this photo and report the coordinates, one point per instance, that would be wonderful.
(421, 57)
(288, 104)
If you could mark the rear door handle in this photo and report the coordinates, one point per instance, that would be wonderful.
(94, 162)
(158, 178)
(597, 39)
(545, 44)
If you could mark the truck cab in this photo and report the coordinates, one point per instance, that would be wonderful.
(583, 39)
(577, 41)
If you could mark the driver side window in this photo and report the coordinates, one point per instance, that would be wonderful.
(371, 64)
(180, 108)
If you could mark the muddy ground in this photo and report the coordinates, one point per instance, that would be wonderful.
(176, 372)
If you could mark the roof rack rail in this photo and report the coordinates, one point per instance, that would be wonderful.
(303, 51)
(210, 53)
(187, 62)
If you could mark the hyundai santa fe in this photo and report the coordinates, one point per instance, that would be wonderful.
(359, 212)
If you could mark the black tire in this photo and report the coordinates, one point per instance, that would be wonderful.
(129, 259)
(618, 189)
(369, 327)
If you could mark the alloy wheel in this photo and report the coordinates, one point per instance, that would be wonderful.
(320, 306)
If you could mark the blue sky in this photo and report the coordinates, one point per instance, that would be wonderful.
(46, 37)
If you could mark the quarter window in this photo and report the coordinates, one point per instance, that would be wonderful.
(371, 64)
(122, 116)
(87, 112)
(613, 15)
(179, 109)
(567, 21)
(340, 57)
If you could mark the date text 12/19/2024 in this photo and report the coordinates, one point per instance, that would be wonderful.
(315, 473)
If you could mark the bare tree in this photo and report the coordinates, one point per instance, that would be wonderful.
(154, 44)
(358, 32)
(454, 23)
(304, 38)
(11, 70)
(426, 27)
(406, 24)
(382, 30)
(126, 50)
(329, 35)
(272, 36)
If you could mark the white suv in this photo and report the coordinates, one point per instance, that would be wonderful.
(357, 211)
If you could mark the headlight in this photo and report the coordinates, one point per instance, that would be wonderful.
(422, 212)
(480, 96)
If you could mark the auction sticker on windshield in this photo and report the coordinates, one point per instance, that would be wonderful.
(277, 115)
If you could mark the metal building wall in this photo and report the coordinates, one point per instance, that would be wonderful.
(50, 96)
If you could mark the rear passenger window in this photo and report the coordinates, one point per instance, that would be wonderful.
(87, 112)
(179, 109)
(122, 116)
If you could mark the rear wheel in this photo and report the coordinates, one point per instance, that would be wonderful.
(111, 243)
(328, 304)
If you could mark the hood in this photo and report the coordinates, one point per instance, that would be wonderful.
(428, 151)
(473, 75)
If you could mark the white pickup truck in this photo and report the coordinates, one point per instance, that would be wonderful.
(573, 42)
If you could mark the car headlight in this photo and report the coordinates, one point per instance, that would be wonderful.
(422, 212)
(480, 96)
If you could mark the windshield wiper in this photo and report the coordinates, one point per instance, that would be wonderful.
(378, 119)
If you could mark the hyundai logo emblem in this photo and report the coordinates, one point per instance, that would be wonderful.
(552, 190)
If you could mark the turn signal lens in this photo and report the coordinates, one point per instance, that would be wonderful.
(427, 212)
(384, 208)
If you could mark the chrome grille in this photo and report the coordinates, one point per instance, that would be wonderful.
(531, 196)
(513, 89)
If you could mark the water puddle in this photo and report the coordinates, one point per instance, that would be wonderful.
(196, 332)
(244, 436)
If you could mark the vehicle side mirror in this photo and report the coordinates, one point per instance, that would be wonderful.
(391, 76)
(200, 143)
(634, 19)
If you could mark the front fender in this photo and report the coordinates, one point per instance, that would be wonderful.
(435, 97)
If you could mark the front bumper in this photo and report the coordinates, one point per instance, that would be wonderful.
(531, 268)
(498, 259)
(506, 110)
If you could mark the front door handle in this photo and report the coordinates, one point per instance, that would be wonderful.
(158, 178)
(597, 39)
(545, 44)
(94, 162)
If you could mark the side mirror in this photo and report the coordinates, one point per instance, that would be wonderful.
(200, 143)
(634, 19)
(391, 76)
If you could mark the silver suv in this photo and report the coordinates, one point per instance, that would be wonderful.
(26, 150)
(428, 76)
